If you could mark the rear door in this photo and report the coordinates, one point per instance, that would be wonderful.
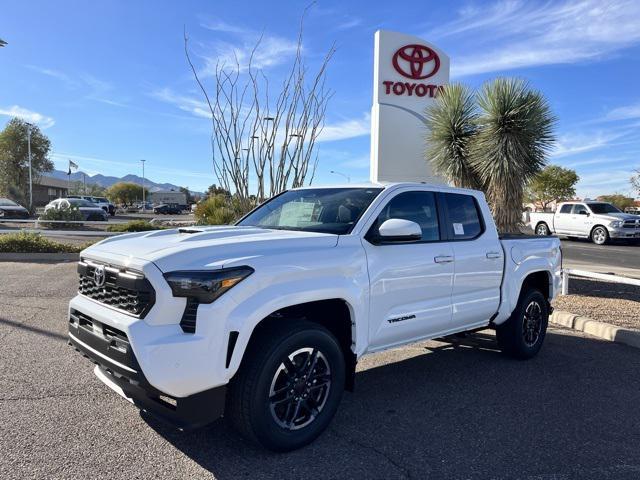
(478, 263)
(562, 220)
(410, 282)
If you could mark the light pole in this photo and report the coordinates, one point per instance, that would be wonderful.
(343, 175)
(29, 126)
(144, 203)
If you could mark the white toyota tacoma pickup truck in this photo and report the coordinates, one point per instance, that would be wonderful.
(598, 221)
(264, 321)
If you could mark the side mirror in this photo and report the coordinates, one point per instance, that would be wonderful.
(399, 230)
(583, 212)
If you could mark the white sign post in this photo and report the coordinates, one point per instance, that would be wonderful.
(407, 73)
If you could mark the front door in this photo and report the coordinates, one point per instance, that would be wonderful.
(411, 283)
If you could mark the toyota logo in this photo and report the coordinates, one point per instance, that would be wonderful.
(416, 61)
(99, 276)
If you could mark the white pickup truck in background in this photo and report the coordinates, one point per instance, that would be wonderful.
(597, 221)
(265, 321)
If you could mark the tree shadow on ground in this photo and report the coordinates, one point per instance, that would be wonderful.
(460, 410)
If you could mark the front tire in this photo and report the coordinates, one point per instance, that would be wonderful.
(288, 387)
(523, 334)
(600, 235)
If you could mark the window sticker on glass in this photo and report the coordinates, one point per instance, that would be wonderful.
(458, 229)
(296, 214)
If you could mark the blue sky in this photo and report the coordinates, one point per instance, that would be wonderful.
(109, 83)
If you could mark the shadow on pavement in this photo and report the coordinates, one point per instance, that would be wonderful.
(603, 289)
(461, 411)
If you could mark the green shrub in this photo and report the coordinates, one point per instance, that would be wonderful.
(218, 210)
(71, 214)
(134, 226)
(26, 242)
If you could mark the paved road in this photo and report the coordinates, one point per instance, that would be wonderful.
(618, 258)
(426, 411)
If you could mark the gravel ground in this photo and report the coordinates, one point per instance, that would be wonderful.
(609, 302)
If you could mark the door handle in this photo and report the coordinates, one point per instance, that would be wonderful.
(494, 255)
(443, 259)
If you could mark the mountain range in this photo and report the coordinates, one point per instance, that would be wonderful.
(106, 181)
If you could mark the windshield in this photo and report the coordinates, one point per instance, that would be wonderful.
(5, 202)
(78, 202)
(326, 210)
(600, 208)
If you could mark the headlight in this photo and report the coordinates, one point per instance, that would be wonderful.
(205, 285)
(616, 224)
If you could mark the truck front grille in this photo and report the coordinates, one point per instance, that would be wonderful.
(116, 287)
(632, 224)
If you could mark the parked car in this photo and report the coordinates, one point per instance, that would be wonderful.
(11, 209)
(265, 321)
(90, 211)
(167, 209)
(598, 221)
(102, 202)
(633, 210)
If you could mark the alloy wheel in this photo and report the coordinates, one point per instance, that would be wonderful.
(599, 236)
(532, 323)
(542, 230)
(300, 388)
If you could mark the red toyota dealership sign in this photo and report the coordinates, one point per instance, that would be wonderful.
(416, 62)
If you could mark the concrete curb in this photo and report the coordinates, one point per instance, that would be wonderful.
(606, 331)
(39, 257)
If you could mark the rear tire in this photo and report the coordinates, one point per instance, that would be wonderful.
(542, 229)
(523, 334)
(288, 387)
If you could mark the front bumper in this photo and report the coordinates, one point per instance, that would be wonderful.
(629, 233)
(118, 367)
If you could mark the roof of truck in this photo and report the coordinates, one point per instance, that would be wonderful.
(388, 185)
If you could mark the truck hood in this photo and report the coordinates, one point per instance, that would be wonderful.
(195, 248)
(618, 216)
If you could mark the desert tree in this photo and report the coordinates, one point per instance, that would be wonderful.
(514, 138)
(451, 125)
(264, 138)
(552, 184)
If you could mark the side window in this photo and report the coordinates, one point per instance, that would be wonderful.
(578, 209)
(566, 208)
(464, 221)
(419, 207)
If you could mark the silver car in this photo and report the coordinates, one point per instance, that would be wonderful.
(90, 211)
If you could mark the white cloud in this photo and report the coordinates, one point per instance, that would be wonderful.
(574, 143)
(601, 183)
(94, 88)
(628, 112)
(356, 127)
(220, 26)
(192, 105)
(270, 52)
(30, 116)
(515, 33)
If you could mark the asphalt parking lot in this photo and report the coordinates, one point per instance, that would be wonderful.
(431, 410)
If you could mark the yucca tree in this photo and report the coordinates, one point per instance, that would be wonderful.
(514, 137)
(452, 125)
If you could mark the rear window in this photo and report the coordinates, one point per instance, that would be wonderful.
(464, 220)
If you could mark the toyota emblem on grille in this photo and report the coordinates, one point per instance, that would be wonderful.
(99, 276)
